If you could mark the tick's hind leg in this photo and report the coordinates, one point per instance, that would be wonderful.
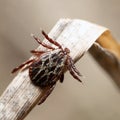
(28, 62)
(45, 93)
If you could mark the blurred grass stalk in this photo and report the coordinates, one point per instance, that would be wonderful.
(78, 35)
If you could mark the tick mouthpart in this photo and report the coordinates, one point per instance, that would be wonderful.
(67, 51)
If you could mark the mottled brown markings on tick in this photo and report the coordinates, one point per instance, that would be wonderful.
(48, 66)
(46, 62)
(50, 69)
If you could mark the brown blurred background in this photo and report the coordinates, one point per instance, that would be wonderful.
(98, 98)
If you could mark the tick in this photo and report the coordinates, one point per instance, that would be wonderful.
(47, 67)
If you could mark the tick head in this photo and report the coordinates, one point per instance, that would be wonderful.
(67, 51)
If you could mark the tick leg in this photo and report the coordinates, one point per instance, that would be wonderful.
(41, 43)
(22, 65)
(37, 53)
(71, 70)
(73, 74)
(73, 66)
(62, 78)
(51, 40)
(45, 93)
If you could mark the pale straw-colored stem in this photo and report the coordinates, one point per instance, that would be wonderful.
(21, 95)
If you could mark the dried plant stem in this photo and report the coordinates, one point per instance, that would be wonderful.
(107, 53)
(21, 95)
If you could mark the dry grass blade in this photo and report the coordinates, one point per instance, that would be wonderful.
(107, 54)
(21, 95)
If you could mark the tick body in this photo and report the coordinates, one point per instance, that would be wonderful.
(47, 67)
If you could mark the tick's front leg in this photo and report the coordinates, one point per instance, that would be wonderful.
(72, 69)
(71, 63)
(37, 53)
(51, 40)
(61, 78)
(41, 43)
